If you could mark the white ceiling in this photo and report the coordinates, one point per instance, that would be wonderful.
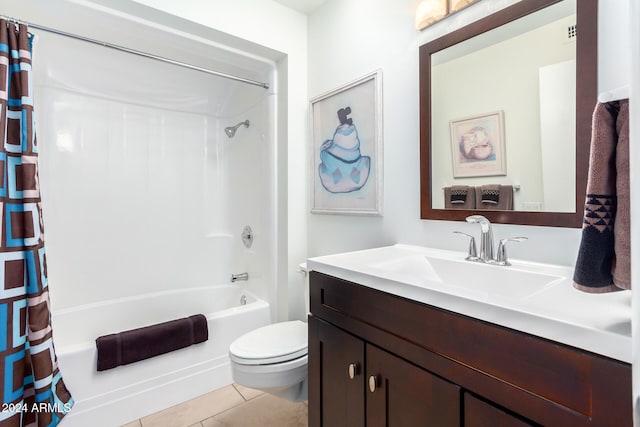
(302, 6)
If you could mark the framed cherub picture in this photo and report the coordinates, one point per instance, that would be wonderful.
(478, 145)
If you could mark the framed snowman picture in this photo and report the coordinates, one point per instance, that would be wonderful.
(346, 148)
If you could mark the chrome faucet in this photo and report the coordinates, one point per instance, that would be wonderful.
(486, 237)
(241, 276)
(486, 243)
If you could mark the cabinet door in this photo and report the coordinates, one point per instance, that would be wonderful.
(478, 413)
(400, 394)
(336, 363)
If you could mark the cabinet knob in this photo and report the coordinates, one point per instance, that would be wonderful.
(374, 382)
(354, 369)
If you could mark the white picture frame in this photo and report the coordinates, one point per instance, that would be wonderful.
(478, 145)
(346, 148)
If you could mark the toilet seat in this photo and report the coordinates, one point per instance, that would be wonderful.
(271, 344)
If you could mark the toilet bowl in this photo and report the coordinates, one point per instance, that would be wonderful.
(273, 358)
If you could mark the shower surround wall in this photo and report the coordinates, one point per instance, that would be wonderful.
(144, 195)
(142, 189)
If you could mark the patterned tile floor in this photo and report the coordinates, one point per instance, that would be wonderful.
(232, 406)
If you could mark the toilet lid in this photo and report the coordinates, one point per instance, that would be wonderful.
(274, 343)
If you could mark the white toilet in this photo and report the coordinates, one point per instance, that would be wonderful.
(273, 358)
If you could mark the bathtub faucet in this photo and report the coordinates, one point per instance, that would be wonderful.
(241, 276)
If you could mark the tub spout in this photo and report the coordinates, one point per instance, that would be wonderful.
(240, 276)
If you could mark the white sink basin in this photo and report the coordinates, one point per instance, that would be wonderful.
(465, 277)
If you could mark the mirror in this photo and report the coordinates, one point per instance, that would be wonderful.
(495, 121)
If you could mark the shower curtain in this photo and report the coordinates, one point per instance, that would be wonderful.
(32, 388)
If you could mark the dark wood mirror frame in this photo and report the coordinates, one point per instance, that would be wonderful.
(586, 97)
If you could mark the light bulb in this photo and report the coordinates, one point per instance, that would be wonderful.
(430, 11)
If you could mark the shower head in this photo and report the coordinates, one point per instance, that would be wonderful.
(231, 130)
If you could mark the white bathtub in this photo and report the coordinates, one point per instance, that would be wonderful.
(114, 397)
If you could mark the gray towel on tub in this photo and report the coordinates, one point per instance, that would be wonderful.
(138, 344)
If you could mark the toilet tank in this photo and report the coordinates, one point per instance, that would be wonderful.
(304, 281)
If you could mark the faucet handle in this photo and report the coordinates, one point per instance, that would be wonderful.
(473, 252)
(501, 259)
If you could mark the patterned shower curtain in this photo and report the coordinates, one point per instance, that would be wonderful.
(33, 392)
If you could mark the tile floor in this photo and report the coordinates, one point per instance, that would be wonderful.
(232, 406)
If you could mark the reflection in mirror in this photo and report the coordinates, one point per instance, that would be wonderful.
(524, 70)
(503, 101)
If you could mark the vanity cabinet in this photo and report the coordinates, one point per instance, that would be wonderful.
(402, 394)
(376, 359)
(479, 413)
(358, 378)
(340, 357)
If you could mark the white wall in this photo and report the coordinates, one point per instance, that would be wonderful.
(619, 77)
(383, 36)
(614, 47)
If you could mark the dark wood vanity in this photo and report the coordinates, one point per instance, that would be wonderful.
(380, 359)
(377, 359)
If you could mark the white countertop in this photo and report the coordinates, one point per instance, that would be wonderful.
(600, 323)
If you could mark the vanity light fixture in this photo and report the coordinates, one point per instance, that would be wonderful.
(431, 11)
(457, 5)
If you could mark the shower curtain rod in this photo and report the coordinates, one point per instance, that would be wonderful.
(139, 53)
